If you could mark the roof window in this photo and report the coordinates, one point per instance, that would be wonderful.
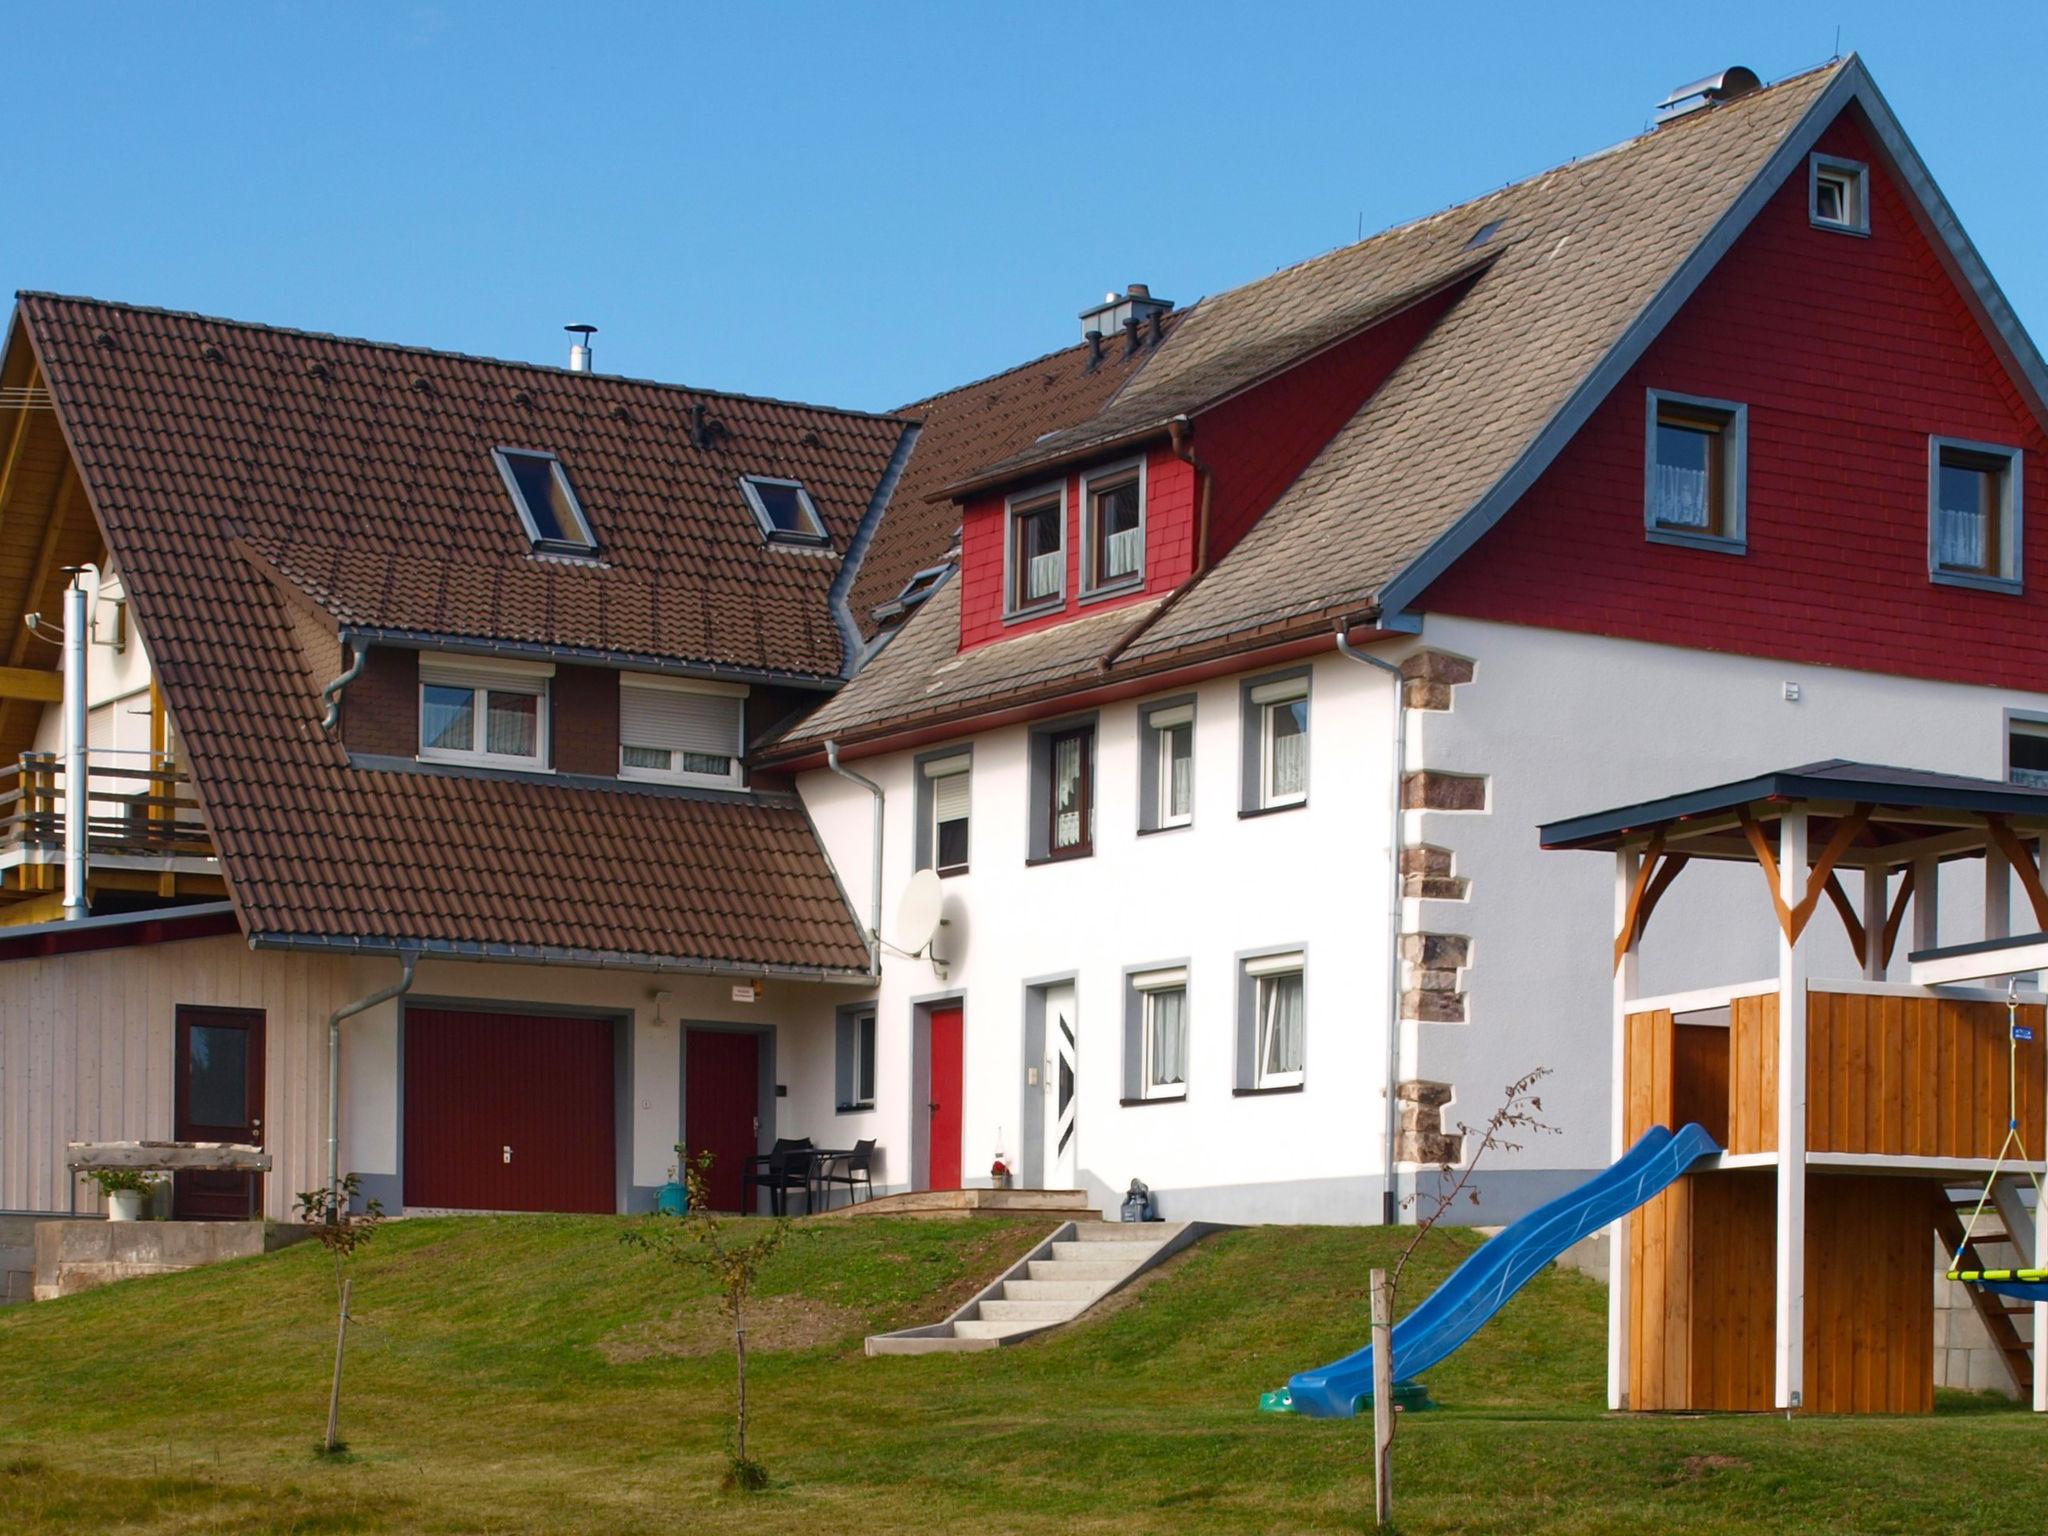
(546, 502)
(784, 510)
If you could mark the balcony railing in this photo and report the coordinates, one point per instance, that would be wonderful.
(138, 805)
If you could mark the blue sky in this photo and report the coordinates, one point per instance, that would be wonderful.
(856, 203)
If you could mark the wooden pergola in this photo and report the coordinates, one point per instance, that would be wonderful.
(1886, 1089)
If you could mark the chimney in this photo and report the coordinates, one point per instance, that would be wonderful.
(579, 349)
(1119, 311)
(1730, 83)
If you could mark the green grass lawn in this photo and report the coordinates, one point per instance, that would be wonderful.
(530, 1374)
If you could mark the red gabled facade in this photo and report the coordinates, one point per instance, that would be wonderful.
(1253, 444)
(1850, 352)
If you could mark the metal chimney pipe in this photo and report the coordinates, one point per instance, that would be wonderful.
(77, 633)
(579, 349)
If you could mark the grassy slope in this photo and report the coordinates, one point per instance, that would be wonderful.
(479, 1400)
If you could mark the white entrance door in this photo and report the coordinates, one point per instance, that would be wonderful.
(1062, 1048)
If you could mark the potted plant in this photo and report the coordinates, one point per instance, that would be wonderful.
(999, 1174)
(127, 1190)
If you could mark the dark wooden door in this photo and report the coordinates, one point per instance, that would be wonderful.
(509, 1112)
(945, 1106)
(721, 1099)
(218, 1093)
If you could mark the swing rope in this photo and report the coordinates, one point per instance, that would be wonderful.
(2013, 1142)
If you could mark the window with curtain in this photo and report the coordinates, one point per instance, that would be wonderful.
(1973, 512)
(1280, 1019)
(482, 712)
(681, 731)
(1281, 720)
(1693, 490)
(1038, 550)
(1071, 810)
(1116, 528)
(1163, 1034)
(1169, 762)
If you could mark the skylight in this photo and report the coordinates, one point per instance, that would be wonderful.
(784, 510)
(546, 502)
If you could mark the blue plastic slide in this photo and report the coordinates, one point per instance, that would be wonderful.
(1481, 1286)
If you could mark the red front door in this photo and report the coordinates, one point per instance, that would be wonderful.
(721, 1097)
(218, 1086)
(945, 1098)
(508, 1112)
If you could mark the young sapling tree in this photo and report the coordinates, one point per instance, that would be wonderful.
(341, 1230)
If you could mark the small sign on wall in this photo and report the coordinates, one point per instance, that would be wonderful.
(743, 991)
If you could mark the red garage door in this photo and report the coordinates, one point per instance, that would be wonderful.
(508, 1111)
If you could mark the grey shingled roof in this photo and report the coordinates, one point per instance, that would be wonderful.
(1574, 259)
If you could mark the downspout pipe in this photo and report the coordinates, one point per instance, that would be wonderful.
(1389, 1200)
(331, 694)
(875, 881)
(407, 963)
(78, 598)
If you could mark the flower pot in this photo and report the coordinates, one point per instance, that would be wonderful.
(126, 1204)
(999, 1181)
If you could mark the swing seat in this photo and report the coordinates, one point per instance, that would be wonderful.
(2019, 1284)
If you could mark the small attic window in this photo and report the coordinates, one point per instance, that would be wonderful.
(1482, 234)
(784, 510)
(546, 502)
(1838, 195)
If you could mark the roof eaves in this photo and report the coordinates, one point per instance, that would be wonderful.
(1411, 580)
(551, 954)
(535, 650)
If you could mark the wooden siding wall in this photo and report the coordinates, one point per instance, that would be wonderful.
(1869, 1294)
(1916, 1076)
(1701, 1283)
(86, 1054)
(1753, 1074)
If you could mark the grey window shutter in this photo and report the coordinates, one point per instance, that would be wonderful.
(843, 1060)
(681, 722)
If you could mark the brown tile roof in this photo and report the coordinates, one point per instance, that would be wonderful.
(180, 452)
(1573, 257)
(974, 425)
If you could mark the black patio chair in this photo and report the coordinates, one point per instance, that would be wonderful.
(852, 1170)
(784, 1168)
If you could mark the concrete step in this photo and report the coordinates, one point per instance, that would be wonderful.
(971, 1329)
(1125, 1253)
(1129, 1232)
(1052, 1311)
(1077, 1291)
(1077, 1269)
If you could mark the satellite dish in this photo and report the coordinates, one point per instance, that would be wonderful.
(917, 913)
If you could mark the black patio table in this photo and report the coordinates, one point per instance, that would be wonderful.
(816, 1161)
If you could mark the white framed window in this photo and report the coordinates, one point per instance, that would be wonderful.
(2026, 750)
(545, 501)
(1279, 1019)
(784, 510)
(1167, 761)
(483, 710)
(1035, 551)
(1973, 514)
(946, 784)
(677, 730)
(1162, 1020)
(1113, 528)
(1838, 194)
(1276, 743)
(1696, 468)
(856, 1053)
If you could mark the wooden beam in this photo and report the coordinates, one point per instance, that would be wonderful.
(29, 684)
(1891, 924)
(39, 574)
(1824, 867)
(1847, 910)
(16, 441)
(1760, 846)
(1632, 911)
(2023, 865)
(226, 1156)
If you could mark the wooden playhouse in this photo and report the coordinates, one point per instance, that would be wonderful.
(1862, 1117)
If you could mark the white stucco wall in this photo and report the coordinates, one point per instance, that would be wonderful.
(1316, 877)
(1564, 724)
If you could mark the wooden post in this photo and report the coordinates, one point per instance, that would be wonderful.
(1877, 892)
(1626, 865)
(1382, 1400)
(334, 1393)
(1926, 903)
(1997, 893)
(1790, 1364)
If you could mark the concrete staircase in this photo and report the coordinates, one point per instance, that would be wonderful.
(1074, 1268)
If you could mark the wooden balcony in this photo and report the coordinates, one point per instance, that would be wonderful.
(144, 834)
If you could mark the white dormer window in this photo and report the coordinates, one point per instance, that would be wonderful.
(784, 510)
(545, 501)
(484, 711)
(1838, 194)
(675, 730)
